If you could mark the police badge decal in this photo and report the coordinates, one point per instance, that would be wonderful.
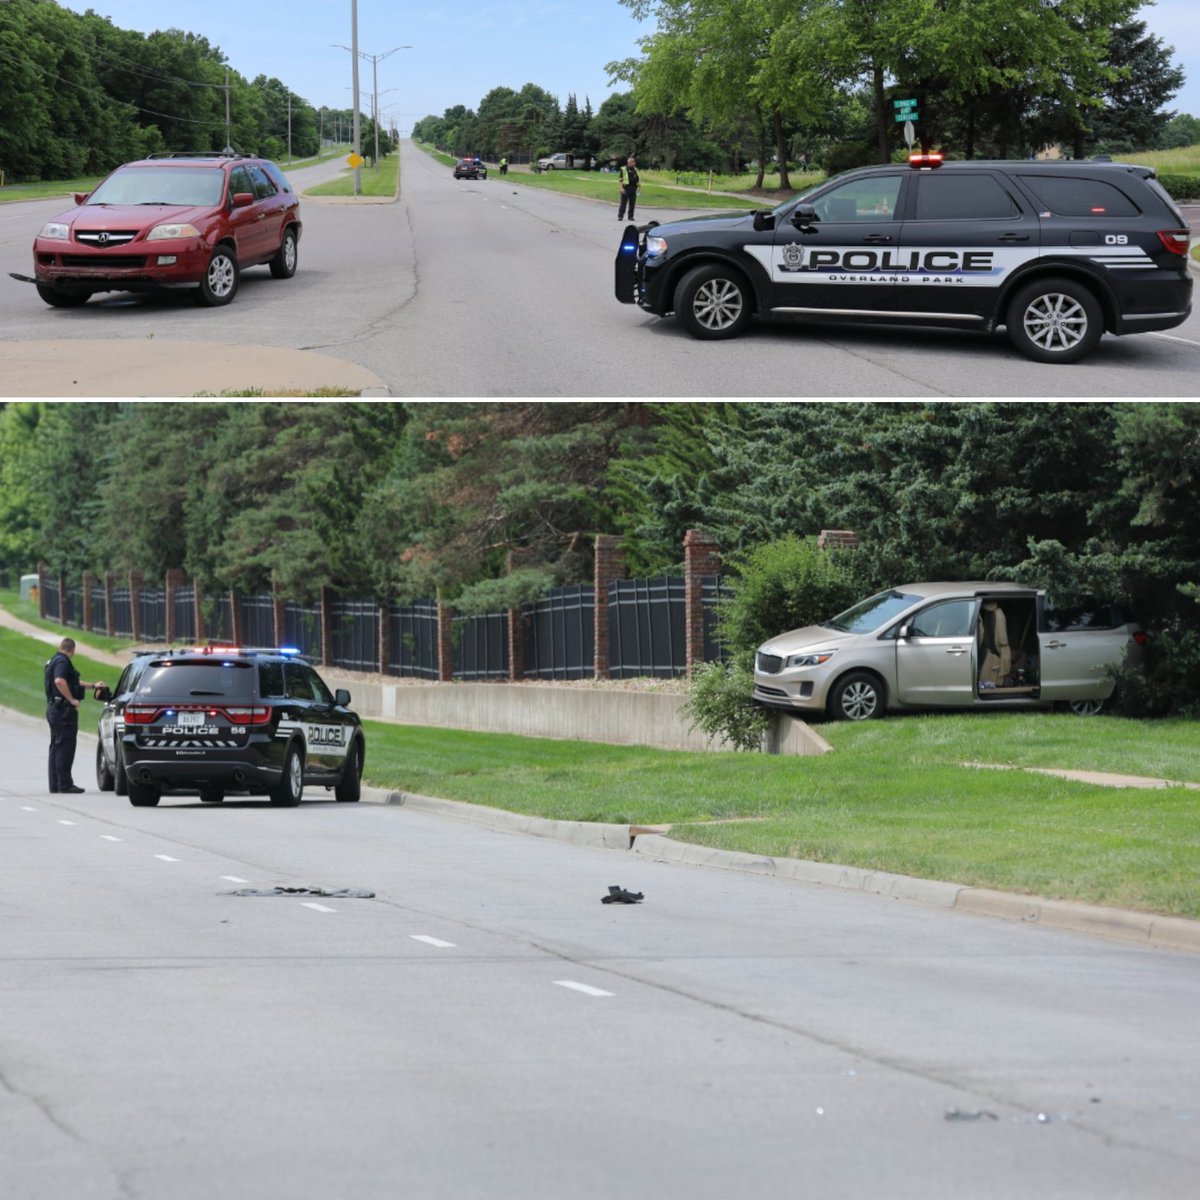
(792, 258)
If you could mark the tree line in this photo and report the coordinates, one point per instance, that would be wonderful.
(720, 83)
(79, 96)
(491, 504)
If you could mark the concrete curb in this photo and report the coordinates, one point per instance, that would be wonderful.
(1093, 920)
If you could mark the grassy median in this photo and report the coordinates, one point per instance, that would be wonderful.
(895, 795)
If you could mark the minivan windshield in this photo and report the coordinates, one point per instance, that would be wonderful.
(182, 682)
(871, 613)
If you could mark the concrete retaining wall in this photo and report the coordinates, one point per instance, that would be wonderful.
(593, 715)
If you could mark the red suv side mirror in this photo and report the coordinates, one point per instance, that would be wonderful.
(242, 199)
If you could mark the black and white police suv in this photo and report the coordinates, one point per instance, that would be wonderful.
(221, 719)
(1056, 251)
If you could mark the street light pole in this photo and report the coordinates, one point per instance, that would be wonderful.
(375, 60)
(357, 129)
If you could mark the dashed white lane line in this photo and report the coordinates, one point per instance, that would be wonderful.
(317, 907)
(108, 837)
(234, 879)
(28, 808)
(581, 987)
(62, 822)
(166, 858)
(431, 941)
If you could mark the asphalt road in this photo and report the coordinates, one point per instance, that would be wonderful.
(485, 1027)
(484, 288)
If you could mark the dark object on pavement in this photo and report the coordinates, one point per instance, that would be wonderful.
(354, 893)
(618, 895)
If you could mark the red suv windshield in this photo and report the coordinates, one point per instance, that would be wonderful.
(161, 184)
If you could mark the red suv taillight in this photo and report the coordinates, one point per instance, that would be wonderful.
(1175, 240)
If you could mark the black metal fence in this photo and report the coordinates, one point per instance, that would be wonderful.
(481, 646)
(560, 634)
(647, 628)
(413, 640)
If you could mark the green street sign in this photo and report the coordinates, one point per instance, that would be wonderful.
(906, 114)
(904, 103)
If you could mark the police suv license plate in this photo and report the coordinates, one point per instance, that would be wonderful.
(187, 719)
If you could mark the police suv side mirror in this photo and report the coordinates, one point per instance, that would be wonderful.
(341, 698)
(804, 215)
(763, 220)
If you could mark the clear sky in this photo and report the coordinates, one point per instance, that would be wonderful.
(464, 48)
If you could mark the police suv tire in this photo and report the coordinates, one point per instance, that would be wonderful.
(57, 298)
(1055, 320)
(219, 283)
(283, 265)
(713, 302)
(290, 788)
(212, 793)
(858, 696)
(349, 786)
(104, 777)
(120, 779)
(143, 795)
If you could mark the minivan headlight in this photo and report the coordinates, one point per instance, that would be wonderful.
(809, 659)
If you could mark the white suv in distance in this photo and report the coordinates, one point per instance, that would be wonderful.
(975, 645)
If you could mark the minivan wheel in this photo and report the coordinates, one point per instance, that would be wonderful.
(1055, 321)
(1086, 708)
(283, 265)
(858, 696)
(713, 302)
(219, 283)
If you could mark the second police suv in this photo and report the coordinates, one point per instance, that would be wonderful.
(223, 719)
(1056, 251)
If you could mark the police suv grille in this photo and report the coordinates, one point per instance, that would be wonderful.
(106, 237)
(770, 664)
(103, 264)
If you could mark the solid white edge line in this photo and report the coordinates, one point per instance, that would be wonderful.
(581, 987)
(317, 907)
(432, 941)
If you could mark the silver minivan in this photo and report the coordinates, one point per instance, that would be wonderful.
(976, 645)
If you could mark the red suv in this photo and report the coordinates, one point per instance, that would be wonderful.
(172, 220)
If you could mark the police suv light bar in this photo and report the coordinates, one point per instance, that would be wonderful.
(921, 162)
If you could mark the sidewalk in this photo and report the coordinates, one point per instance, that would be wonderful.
(140, 367)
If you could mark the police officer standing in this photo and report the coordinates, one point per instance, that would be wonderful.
(64, 694)
(628, 178)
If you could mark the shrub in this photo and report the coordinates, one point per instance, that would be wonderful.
(719, 704)
(1180, 187)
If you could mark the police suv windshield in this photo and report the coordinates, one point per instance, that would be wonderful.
(182, 681)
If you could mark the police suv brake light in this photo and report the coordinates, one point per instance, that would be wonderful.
(924, 162)
(1175, 240)
(249, 716)
(140, 714)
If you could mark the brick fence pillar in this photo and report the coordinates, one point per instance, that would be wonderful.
(110, 615)
(175, 579)
(136, 580)
(88, 581)
(701, 557)
(517, 557)
(278, 615)
(445, 641)
(832, 539)
(326, 608)
(609, 565)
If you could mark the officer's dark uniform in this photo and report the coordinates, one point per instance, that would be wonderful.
(64, 721)
(629, 186)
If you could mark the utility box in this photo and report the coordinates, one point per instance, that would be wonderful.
(29, 588)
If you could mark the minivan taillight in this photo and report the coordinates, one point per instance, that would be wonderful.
(1141, 637)
(1175, 240)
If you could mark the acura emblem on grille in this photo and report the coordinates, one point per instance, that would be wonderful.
(103, 239)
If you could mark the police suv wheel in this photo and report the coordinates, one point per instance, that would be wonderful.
(1055, 321)
(219, 284)
(120, 779)
(349, 787)
(143, 795)
(104, 777)
(713, 302)
(290, 787)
